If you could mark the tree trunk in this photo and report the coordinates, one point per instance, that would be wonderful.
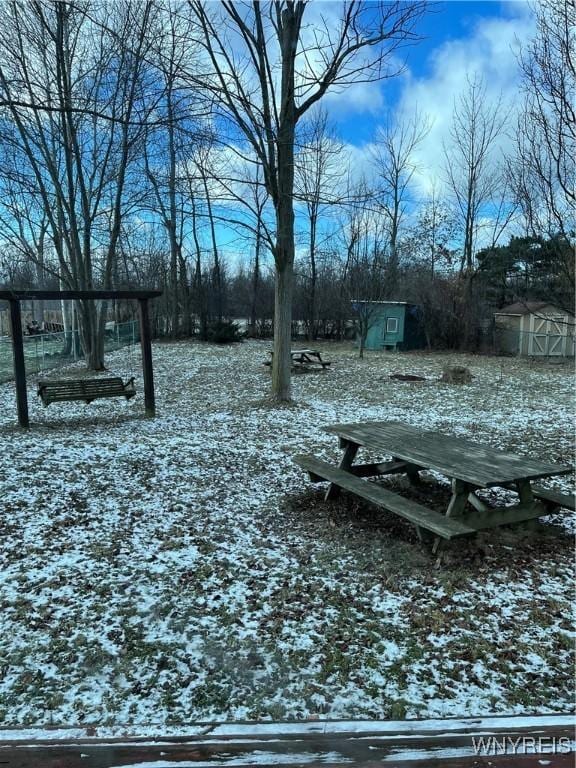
(217, 271)
(393, 265)
(198, 281)
(174, 245)
(255, 282)
(363, 334)
(281, 365)
(186, 290)
(91, 335)
(284, 255)
(284, 205)
(312, 329)
(68, 327)
(468, 312)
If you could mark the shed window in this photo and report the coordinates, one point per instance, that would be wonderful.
(392, 325)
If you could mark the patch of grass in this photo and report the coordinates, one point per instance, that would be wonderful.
(207, 577)
(398, 710)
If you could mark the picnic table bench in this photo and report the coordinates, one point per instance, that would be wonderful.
(304, 359)
(469, 466)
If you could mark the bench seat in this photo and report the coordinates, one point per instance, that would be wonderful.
(305, 364)
(84, 389)
(446, 527)
(314, 365)
(554, 498)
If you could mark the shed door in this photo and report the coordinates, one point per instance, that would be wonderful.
(548, 337)
(390, 330)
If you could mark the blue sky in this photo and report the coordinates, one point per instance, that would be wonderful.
(459, 40)
(445, 22)
(449, 27)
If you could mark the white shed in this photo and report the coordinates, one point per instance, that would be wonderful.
(536, 329)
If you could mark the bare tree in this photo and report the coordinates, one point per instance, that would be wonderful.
(472, 172)
(364, 270)
(71, 80)
(318, 175)
(266, 71)
(168, 146)
(475, 176)
(259, 201)
(433, 234)
(203, 161)
(200, 292)
(243, 200)
(542, 168)
(548, 64)
(25, 226)
(394, 157)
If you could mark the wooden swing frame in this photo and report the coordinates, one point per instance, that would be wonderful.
(15, 297)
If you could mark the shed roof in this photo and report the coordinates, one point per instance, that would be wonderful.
(525, 308)
(23, 295)
(376, 301)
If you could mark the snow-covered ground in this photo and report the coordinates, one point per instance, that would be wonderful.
(183, 568)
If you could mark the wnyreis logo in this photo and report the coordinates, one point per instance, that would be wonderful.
(491, 746)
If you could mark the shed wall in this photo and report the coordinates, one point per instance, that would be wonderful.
(379, 336)
(548, 333)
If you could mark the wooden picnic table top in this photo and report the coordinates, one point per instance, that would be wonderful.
(455, 457)
(300, 352)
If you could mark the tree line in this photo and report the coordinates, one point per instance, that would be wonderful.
(185, 146)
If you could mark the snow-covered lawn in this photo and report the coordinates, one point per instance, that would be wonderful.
(183, 568)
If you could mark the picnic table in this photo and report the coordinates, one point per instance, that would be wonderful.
(304, 359)
(469, 466)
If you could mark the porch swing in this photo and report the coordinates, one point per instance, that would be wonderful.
(60, 390)
(85, 389)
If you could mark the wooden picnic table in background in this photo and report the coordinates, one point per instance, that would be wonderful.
(469, 466)
(304, 359)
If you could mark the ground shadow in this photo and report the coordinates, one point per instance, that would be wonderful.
(375, 534)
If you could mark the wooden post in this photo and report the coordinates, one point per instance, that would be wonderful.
(524, 490)
(459, 498)
(460, 492)
(412, 470)
(149, 402)
(350, 451)
(19, 364)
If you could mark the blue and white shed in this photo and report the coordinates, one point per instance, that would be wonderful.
(393, 325)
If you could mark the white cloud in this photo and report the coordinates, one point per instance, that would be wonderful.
(321, 23)
(355, 99)
(489, 52)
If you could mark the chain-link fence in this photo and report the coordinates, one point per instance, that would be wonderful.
(44, 351)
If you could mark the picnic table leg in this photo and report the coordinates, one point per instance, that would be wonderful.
(350, 451)
(460, 491)
(412, 470)
(524, 490)
(318, 360)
